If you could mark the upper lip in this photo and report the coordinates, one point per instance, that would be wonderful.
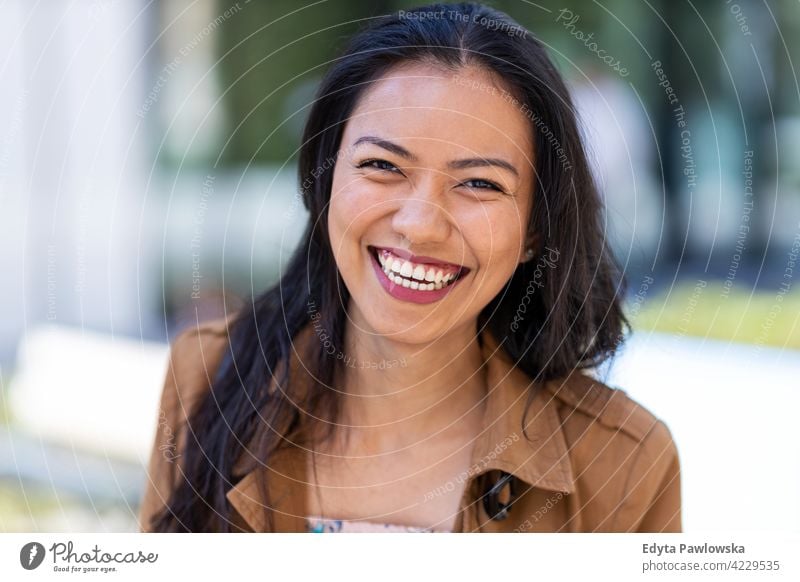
(422, 259)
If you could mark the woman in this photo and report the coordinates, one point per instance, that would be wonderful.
(421, 364)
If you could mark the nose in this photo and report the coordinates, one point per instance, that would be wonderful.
(421, 217)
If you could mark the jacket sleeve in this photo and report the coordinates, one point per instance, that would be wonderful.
(184, 384)
(655, 488)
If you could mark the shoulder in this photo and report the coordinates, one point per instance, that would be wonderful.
(610, 409)
(203, 334)
(193, 358)
(194, 355)
(624, 458)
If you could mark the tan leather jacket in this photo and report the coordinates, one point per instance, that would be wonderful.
(597, 461)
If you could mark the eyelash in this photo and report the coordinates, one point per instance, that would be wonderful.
(373, 163)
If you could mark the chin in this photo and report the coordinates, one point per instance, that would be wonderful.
(410, 331)
(432, 329)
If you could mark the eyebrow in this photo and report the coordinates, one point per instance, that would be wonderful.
(483, 162)
(455, 164)
(387, 145)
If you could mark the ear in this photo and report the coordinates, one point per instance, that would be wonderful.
(531, 242)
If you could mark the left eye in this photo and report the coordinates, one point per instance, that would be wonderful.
(482, 185)
(378, 165)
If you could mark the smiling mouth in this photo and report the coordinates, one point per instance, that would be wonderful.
(421, 275)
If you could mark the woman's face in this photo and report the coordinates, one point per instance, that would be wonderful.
(432, 190)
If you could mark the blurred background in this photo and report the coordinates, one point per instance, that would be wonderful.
(147, 179)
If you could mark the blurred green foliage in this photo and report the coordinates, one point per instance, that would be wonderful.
(273, 55)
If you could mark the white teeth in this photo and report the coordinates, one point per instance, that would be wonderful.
(401, 272)
(408, 283)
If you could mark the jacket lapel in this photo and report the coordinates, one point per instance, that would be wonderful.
(538, 455)
(286, 478)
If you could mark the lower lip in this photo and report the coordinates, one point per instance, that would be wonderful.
(407, 293)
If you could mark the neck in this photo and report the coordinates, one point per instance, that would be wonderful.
(396, 394)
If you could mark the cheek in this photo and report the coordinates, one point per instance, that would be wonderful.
(495, 235)
(353, 207)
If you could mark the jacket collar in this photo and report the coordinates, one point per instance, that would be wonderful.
(541, 459)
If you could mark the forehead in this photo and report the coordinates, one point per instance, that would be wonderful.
(466, 109)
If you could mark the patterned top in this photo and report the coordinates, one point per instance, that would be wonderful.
(316, 524)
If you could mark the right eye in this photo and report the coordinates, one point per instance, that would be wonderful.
(378, 164)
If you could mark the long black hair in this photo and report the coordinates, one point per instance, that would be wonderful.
(559, 311)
